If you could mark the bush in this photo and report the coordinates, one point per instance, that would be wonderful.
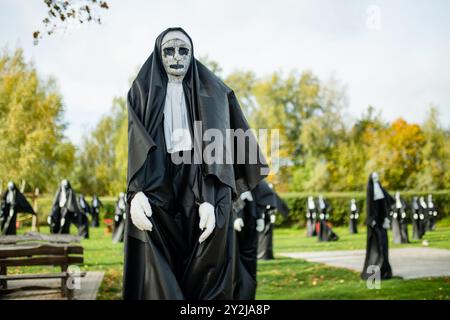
(340, 202)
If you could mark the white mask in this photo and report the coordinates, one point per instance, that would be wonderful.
(377, 192)
(311, 203)
(176, 54)
(10, 186)
(353, 205)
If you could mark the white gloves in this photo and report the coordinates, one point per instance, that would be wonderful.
(207, 220)
(238, 224)
(49, 220)
(140, 211)
(260, 225)
(247, 195)
(273, 218)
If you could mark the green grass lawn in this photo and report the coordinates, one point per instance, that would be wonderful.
(286, 278)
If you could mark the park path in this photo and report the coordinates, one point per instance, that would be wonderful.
(407, 263)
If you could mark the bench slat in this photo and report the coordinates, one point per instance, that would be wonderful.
(44, 261)
(39, 249)
(56, 275)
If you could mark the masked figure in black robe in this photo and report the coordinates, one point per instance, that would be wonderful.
(248, 222)
(423, 215)
(415, 211)
(12, 203)
(378, 204)
(325, 232)
(271, 202)
(82, 218)
(432, 214)
(64, 209)
(119, 219)
(354, 216)
(398, 221)
(96, 204)
(311, 214)
(179, 238)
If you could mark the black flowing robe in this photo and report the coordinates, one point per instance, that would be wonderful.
(325, 233)
(353, 222)
(9, 211)
(246, 251)
(399, 223)
(270, 202)
(377, 238)
(119, 221)
(62, 217)
(82, 218)
(431, 219)
(418, 229)
(311, 220)
(96, 204)
(169, 262)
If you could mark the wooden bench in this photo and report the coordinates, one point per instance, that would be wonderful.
(16, 251)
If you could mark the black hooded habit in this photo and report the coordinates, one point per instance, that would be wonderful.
(169, 262)
(10, 206)
(62, 217)
(119, 220)
(377, 238)
(96, 205)
(270, 202)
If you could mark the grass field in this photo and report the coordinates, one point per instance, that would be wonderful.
(286, 278)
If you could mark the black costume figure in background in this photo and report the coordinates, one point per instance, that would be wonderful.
(82, 218)
(432, 214)
(96, 204)
(378, 203)
(399, 224)
(271, 203)
(423, 215)
(12, 203)
(325, 233)
(311, 214)
(179, 240)
(119, 219)
(248, 222)
(64, 209)
(415, 218)
(354, 216)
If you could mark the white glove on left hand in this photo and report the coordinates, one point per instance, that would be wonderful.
(260, 225)
(238, 224)
(207, 220)
(140, 211)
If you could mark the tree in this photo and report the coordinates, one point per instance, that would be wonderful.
(33, 146)
(102, 158)
(62, 12)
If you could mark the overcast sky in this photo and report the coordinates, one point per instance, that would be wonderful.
(393, 54)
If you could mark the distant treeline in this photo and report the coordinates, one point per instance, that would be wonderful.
(322, 148)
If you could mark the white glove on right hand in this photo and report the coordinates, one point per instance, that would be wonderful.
(247, 195)
(140, 211)
(260, 225)
(386, 223)
(238, 224)
(49, 220)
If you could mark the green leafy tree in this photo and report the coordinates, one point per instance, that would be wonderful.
(32, 144)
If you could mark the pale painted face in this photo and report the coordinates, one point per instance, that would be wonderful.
(176, 57)
(10, 186)
(121, 194)
(375, 177)
(64, 184)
